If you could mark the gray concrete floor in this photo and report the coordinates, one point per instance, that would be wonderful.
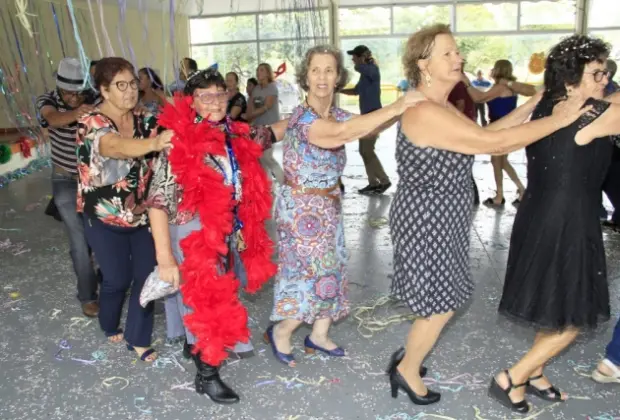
(97, 380)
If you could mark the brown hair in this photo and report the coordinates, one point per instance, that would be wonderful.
(419, 47)
(302, 71)
(503, 70)
(107, 69)
(267, 67)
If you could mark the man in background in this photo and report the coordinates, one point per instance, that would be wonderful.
(187, 66)
(58, 112)
(369, 90)
(464, 103)
(483, 84)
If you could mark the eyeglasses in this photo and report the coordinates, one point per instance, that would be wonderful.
(599, 74)
(123, 85)
(71, 94)
(209, 98)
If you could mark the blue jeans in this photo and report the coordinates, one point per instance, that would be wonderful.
(613, 348)
(64, 189)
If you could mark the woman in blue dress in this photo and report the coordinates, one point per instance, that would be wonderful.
(502, 100)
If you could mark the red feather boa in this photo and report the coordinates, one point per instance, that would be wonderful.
(219, 320)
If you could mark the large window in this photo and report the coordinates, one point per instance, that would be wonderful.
(486, 31)
(604, 14)
(486, 17)
(240, 42)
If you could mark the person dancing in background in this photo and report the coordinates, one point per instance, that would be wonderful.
(483, 84)
(502, 99)
(463, 102)
(368, 88)
(237, 104)
(264, 109)
(151, 89)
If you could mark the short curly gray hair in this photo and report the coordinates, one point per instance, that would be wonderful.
(302, 70)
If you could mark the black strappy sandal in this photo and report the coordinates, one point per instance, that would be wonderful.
(502, 395)
(549, 394)
(489, 202)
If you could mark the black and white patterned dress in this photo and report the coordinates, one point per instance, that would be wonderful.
(430, 222)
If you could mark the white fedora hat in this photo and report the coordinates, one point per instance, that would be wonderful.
(70, 75)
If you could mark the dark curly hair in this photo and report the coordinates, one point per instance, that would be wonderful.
(567, 60)
(203, 79)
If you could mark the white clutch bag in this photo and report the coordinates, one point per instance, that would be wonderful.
(154, 288)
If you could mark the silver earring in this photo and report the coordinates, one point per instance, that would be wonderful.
(427, 78)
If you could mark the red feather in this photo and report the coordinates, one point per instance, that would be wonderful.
(219, 320)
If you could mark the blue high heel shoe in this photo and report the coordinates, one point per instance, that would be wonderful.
(311, 348)
(284, 358)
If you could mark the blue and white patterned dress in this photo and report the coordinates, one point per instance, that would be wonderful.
(312, 277)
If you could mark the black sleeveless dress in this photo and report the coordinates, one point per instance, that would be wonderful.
(556, 275)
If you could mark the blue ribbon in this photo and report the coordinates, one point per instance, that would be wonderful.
(234, 166)
(62, 45)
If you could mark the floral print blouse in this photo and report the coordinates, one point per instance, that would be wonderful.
(165, 194)
(113, 190)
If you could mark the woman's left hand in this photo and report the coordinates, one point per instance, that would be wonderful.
(409, 99)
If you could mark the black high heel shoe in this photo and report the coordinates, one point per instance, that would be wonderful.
(503, 395)
(397, 357)
(548, 394)
(398, 382)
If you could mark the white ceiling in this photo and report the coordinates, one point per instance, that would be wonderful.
(223, 7)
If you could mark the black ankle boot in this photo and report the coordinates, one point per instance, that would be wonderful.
(208, 382)
(187, 350)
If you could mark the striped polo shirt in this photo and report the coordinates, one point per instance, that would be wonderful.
(62, 139)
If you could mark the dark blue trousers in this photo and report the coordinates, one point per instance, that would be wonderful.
(613, 348)
(126, 257)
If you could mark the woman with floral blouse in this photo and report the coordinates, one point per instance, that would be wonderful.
(209, 200)
(115, 156)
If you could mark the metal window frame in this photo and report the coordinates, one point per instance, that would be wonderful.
(581, 13)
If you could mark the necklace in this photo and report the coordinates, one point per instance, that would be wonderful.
(329, 114)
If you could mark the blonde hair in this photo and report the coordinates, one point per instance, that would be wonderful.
(419, 47)
(503, 70)
(269, 70)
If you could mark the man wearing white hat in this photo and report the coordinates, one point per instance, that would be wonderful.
(59, 111)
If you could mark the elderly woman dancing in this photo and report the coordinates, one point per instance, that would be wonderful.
(311, 284)
(556, 276)
(115, 159)
(208, 204)
(430, 217)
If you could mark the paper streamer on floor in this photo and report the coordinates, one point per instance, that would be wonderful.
(368, 323)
